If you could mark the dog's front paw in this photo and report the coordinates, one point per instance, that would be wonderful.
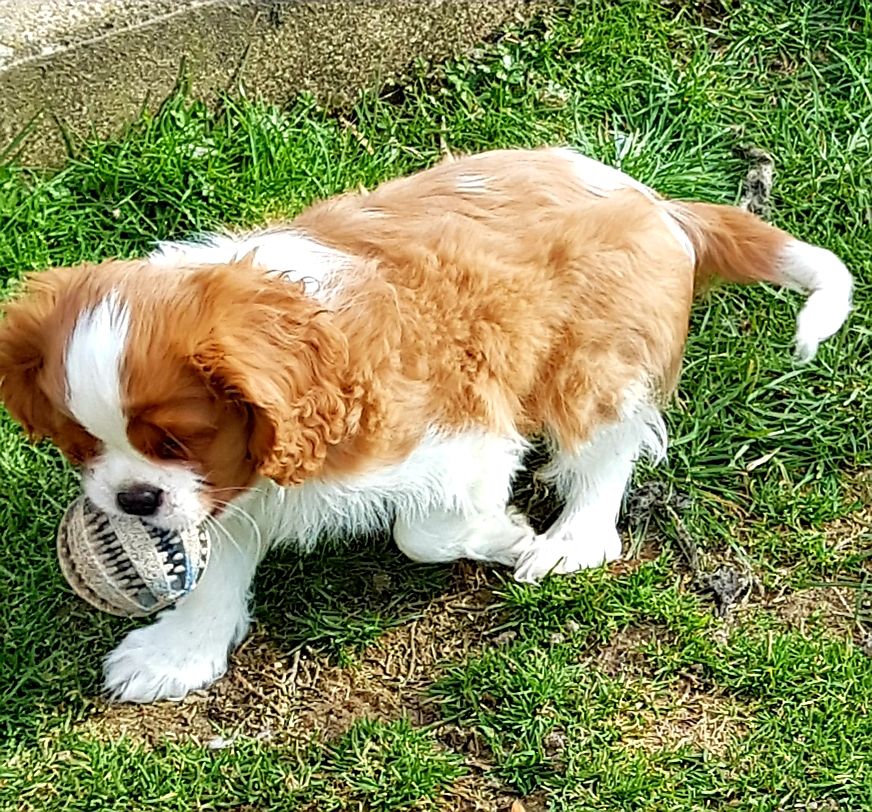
(164, 661)
(562, 553)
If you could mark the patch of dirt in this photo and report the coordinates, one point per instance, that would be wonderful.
(684, 712)
(623, 655)
(390, 676)
(810, 610)
(702, 721)
(268, 694)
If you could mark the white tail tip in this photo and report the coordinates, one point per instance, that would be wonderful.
(822, 275)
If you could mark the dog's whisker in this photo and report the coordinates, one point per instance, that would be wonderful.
(236, 510)
(219, 528)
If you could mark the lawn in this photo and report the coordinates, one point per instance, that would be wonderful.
(724, 665)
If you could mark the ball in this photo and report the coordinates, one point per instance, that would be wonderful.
(125, 566)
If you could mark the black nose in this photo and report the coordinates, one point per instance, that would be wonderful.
(140, 500)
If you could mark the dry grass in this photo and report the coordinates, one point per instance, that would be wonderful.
(268, 694)
(810, 611)
(680, 713)
(688, 717)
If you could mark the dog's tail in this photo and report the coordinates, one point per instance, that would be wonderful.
(735, 246)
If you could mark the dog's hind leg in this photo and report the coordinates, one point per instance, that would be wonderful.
(592, 479)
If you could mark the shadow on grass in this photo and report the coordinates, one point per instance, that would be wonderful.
(342, 596)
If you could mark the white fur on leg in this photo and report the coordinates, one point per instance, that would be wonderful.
(449, 536)
(474, 522)
(187, 646)
(593, 480)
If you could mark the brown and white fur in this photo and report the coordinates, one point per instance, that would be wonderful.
(380, 362)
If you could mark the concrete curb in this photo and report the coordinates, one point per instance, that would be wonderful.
(91, 66)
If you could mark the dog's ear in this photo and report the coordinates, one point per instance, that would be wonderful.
(31, 360)
(22, 362)
(278, 352)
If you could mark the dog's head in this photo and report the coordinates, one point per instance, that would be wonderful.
(174, 389)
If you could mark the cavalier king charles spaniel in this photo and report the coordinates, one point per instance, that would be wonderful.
(381, 362)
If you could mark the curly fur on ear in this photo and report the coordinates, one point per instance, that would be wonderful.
(276, 350)
(22, 357)
(31, 377)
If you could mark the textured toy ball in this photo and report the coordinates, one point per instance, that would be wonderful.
(125, 566)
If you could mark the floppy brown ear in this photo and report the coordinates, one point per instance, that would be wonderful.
(31, 377)
(277, 351)
(24, 333)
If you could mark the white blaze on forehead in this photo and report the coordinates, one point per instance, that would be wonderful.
(94, 365)
(94, 358)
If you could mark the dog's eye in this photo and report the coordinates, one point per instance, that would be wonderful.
(170, 449)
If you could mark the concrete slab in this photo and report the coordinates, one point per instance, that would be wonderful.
(91, 65)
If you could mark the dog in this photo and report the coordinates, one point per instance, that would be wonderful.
(380, 362)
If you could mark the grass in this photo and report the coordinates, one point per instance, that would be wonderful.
(607, 690)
